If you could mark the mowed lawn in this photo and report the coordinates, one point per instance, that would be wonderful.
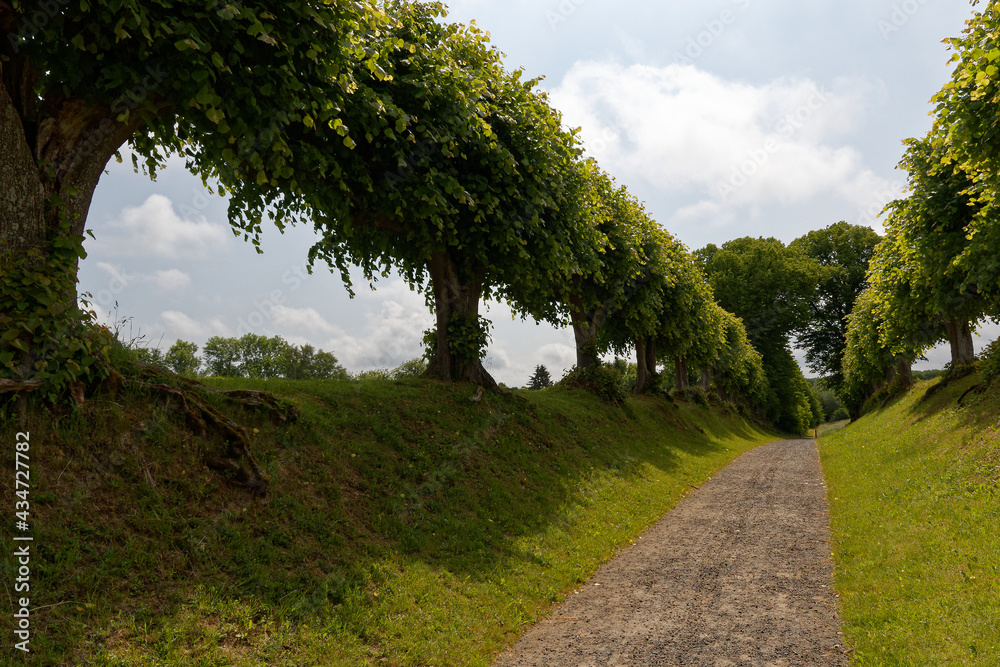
(916, 524)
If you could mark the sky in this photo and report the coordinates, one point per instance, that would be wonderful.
(728, 118)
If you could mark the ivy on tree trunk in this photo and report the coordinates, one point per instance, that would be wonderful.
(457, 294)
(586, 326)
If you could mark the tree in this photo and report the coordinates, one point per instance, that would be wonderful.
(478, 196)
(603, 288)
(223, 357)
(830, 403)
(739, 369)
(226, 85)
(870, 364)
(307, 363)
(920, 266)
(770, 287)
(182, 358)
(844, 251)
(410, 369)
(540, 379)
(659, 300)
(262, 357)
(967, 138)
(149, 355)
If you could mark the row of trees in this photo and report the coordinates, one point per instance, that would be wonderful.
(260, 357)
(400, 137)
(936, 274)
(403, 140)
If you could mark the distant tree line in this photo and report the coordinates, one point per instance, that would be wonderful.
(260, 357)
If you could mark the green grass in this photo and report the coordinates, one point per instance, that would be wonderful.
(828, 429)
(916, 528)
(406, 524)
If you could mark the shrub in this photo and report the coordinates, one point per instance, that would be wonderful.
(693, 394)
(605, 380)
(840, 414)
(989, 361)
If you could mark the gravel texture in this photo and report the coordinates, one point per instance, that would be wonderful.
(739, 573)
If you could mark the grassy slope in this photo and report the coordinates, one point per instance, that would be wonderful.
(407, 525)
(916, 520)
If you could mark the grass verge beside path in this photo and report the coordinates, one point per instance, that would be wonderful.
(916, 528)
(406, 524)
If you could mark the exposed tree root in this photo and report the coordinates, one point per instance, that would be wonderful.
(260, 400)
(203, 419)
(977, 388)
(952, 376)
(10, 386)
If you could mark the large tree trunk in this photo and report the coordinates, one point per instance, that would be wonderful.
(645, 357)
(454, 295)
(52, 155)
(681, 380)
(586, 325)
(963, 350)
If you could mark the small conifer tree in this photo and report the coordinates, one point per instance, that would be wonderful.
(541, 378)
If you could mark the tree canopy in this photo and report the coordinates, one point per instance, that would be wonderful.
(229, 86)
(480, 194)
(844, 252)
(770, 287)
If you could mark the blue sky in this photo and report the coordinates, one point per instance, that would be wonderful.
(729, 118)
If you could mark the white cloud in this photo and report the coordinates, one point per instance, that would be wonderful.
(172, 280)
(497, 359)
(557, 356)
(728, 143)
(179, 325)
(390, 337)
(155, 228)
(303, 318)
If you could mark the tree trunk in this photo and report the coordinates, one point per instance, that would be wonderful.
(50, 164)
(645, 358)
(651, 359)
(904, 370)
(706, 379)
(586, 325)
(454, 295)
(681, 380)
(963, 350)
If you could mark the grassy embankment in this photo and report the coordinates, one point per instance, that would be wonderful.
(406, 524)
(916, 526)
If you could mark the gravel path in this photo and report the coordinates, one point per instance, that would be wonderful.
(739, 573)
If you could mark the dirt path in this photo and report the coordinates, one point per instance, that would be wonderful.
(737, 574)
